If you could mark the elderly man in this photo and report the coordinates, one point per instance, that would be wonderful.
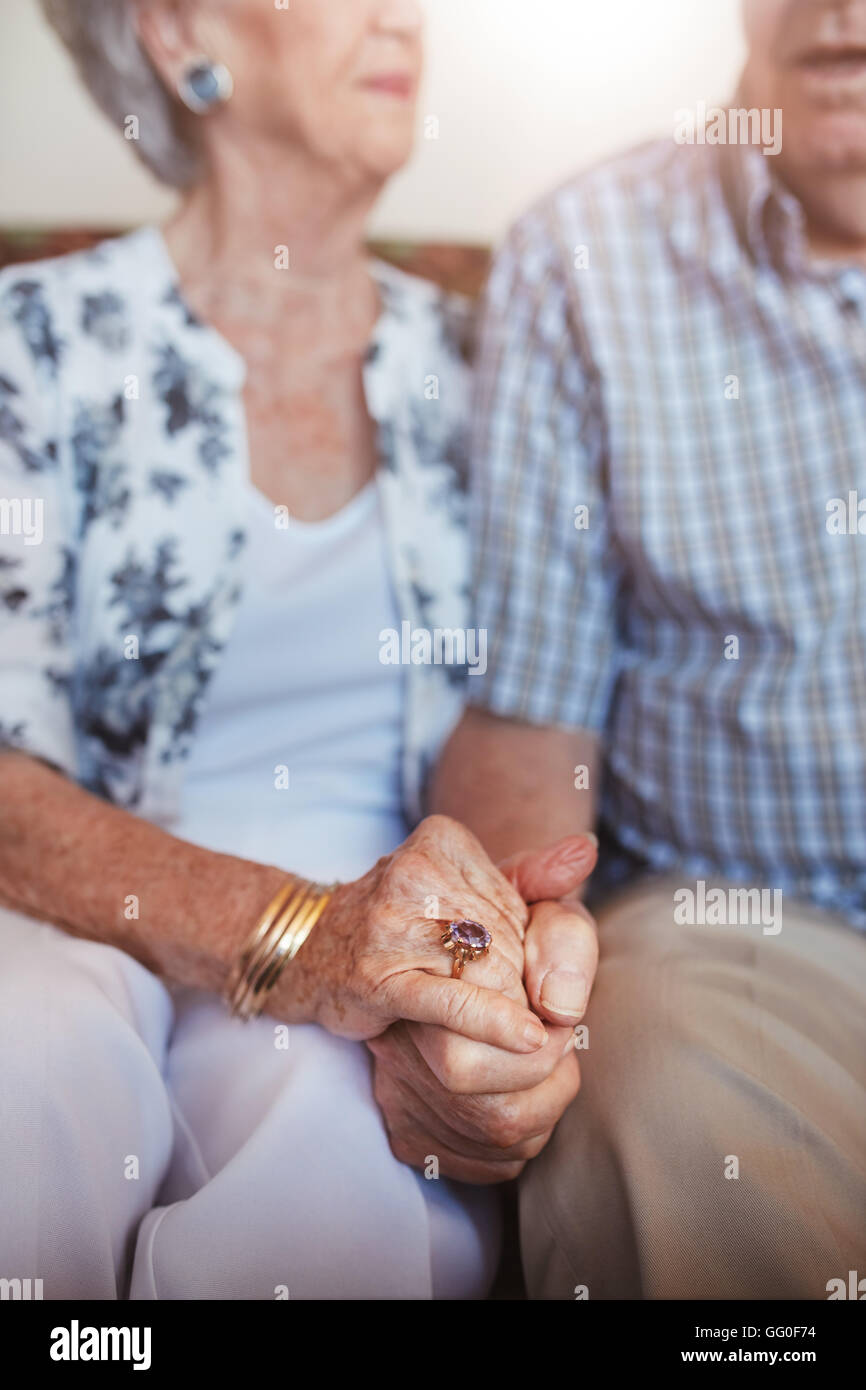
(671, 447)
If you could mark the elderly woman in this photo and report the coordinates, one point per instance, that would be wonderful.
(230, 457)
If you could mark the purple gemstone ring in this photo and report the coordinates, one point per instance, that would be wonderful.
(466, 941)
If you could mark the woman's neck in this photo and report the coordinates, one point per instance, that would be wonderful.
(271, 221)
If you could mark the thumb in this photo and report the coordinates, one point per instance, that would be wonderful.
(561, 948)
(541, 874)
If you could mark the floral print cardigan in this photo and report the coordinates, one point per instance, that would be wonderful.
(122, 463)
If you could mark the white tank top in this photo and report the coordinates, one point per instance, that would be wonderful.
(296, 759)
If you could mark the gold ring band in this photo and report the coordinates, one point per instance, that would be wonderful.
(466, 940)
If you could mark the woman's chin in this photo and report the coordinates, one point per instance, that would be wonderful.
(386, 153)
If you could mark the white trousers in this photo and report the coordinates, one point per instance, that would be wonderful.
(153, 1147)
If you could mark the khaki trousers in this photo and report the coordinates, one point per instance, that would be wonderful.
(717, 1148)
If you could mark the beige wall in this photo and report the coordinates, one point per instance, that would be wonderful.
(524, 90)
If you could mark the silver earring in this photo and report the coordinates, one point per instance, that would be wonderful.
(204, 85)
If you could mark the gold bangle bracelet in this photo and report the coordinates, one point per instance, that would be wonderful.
(268, 917)
(260, 941)
(292, 939)
(276, 939)
(295, 932)
(256, 958)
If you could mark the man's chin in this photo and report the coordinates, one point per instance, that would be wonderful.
(827, 144)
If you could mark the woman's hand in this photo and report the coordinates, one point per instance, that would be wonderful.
(376, 955)
(483, 1113)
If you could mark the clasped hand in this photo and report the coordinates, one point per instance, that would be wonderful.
(475, 1071)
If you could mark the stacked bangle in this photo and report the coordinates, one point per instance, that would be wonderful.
(279, 934)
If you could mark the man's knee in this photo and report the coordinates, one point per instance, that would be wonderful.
(718, 1124)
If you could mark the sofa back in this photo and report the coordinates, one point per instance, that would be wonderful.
(454, 267)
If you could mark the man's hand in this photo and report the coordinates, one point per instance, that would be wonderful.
(478, 1131)
(560, 945)
(481, 1111)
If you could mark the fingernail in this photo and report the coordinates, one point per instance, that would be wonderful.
(583, 848)
(569, 1043)
(535, 1034)
(565, 992)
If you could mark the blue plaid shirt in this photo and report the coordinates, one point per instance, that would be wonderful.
(670, 425)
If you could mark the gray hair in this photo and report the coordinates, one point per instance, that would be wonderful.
(103, 40)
